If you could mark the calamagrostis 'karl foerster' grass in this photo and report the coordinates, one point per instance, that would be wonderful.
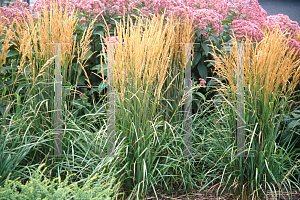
(174, 87)
(142, 61)
(170, 76)
(52, 26)
(268, 66)
(30, 39)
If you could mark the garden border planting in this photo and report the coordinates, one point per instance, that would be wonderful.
(111, 102)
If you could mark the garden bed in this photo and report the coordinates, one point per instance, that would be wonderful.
(151, 139)
(211, 194)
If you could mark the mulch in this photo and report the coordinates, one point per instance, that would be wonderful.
(211, 194)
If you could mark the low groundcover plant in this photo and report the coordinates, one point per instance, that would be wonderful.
(40, 187)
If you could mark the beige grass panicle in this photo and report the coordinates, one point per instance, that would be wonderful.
(142, 60)
(32, 38)
(146, 51)
(272, 65)
(35, 43)
(9, 34)
(52, 26)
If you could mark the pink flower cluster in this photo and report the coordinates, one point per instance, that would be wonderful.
(38, 6)
(112, 39)
(208, 17)
(217, 123)
(249, 11)
(241, 28)
(284, 22)
(250, 19)
(206, 13)
(294, 44)
(16, 11)
(82, 95)
(202, 82)
(18, 4)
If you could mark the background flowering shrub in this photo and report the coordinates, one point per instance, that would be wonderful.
(294, 44)
(284, 22)
(16, 11)
(211, 17)
(243, 28)
(207, 13)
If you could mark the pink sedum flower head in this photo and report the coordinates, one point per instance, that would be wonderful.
(284, 22)
(294, 44)
(243, 28)
(16, 11)
(202, 82)
(251, 17)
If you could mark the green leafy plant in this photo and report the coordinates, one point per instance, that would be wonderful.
(39, 186)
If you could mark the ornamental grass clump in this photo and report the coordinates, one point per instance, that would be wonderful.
(269, 168)
(268, 66)
(31, 89)
(36, 58)
(142, 63)
(34, 40)
(173, 89)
